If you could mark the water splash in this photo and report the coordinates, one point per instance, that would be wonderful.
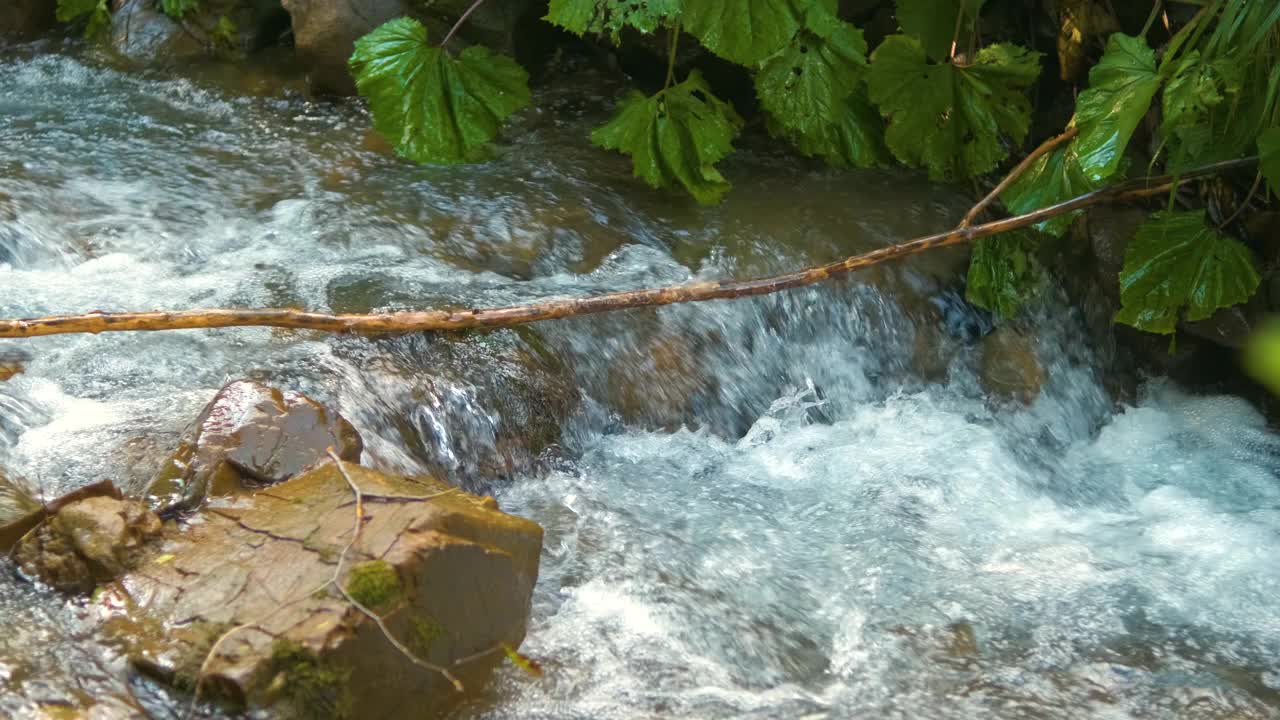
(766, 508)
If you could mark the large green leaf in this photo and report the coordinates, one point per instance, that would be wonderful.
(1269, 157)
(744, 31)
(1121, 87)
(946, 117)
(675, 137)
(804, 86)
(1003, 273)
(1176, 262)
(934, 22)
(435, 108)
(1053, 178)
(610, 16)
(854, 139)
(178, 8)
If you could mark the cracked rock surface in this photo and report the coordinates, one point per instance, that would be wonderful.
(454, 578)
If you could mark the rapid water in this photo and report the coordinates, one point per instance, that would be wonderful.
(754, 509)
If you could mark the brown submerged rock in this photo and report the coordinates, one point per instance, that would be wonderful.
(251, 434)
(656, 383)
(1010, 368)
(87, 542)
(325, 33)
(450, 575)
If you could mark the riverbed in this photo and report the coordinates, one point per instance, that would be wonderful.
(764, 508)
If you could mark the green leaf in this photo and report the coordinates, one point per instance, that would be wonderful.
(675, 137)
(435, 108)
(178, 8)
(1262, 355)
(601, 16)
(97, 11)
(1121, 87)
(804, 86)
(933, 22)
(1269, 157)
(69, 10)
(1176, 262)
(1053, 178)
(1193, 103)
(224, 33)
(99, 21)
(744, 31)
(1196, 88)
(855, 139)
(522, 661)
(1003, 273)
(950, 118)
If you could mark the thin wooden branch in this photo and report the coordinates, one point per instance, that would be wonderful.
(447, 320)
(1016, 173)
(336, 582)
(462, 19)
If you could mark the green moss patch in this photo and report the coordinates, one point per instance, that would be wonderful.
(314, 687)
(423, 632)
(374, 584)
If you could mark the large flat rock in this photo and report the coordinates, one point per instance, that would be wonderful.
(450, 575)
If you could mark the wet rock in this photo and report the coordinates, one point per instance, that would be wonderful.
(473, 407)
(12, 362)
(1010, 368)
(251, 434)
(17, 503)
(25, 19)
(325, 32)
(142, 33)
(450, 576)
(656, 383)
(87, 542)
(1228, 327)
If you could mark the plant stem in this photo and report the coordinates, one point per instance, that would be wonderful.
(461, 19)
(443, 320)
(955, 37)
(1015, 173)
(674, 43)
(1151, 19)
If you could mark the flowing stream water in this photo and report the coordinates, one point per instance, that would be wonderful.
(769, 508)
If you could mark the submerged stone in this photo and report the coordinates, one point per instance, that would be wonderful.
(251, 434)
(451, 576)
(87, 542)
(1010, 367)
